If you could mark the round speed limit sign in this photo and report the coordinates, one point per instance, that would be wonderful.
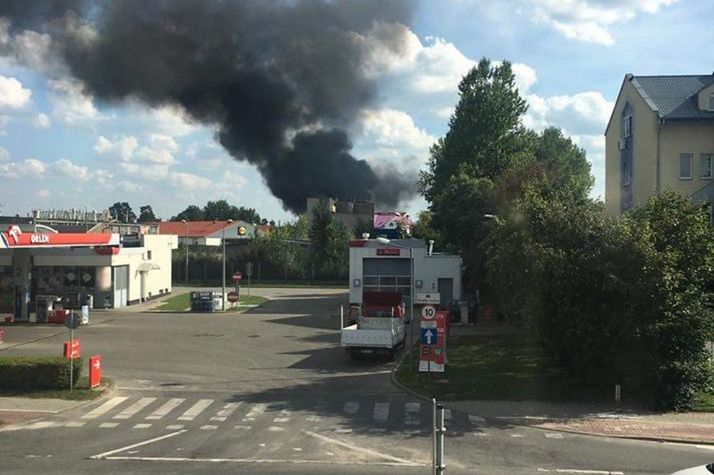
(428, 312)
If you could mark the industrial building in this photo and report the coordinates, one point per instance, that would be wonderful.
(106, 270)
(386, 266)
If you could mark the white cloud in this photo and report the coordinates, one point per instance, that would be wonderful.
(168, 120)
(12, 94)
(43, 193)
(71, 103)
(153, 172)
(393, 128)
(104, 178)
(122, 148)
(128, 186)
(4, 155)
(66, 167)
(30, 166)
(189, 181)
(588, 20)
(42, 121)
(32, 49)
(581, 113)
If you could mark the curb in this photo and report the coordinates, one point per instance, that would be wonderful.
(393, 379)
(627, 437)
(104, 395)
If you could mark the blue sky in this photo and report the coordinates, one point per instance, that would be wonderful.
(61, 148)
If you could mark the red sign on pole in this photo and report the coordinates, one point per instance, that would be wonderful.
(433, 357)
(95, 370)
(71, 349)
(237, 277)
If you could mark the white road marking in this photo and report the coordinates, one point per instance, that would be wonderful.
(175, 427)
(141, 426)
(553, 435)
(706, 447)
(480, 434)
(226, 412)
(518, 436)
(104, 455)
(313, 418)
(411, 413)
(209, 427)
(297, 449)
(573, 470)
(281, 420)
(381, 411)
(134, 408)
(195, 410)
(343, 431)
(351, 407)
(256, 411)
(364, 450)
(74, 424)
(108, 425)
(169, 406)
(275, 428)
(265, 461)
(476, 419)
(244, 427)
(107, 406)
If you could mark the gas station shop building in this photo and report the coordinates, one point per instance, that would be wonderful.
(104, 270)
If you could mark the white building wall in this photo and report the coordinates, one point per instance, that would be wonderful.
(428, 269)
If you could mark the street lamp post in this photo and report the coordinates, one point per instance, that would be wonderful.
(223, 240)
(186, 242)
(385, 241)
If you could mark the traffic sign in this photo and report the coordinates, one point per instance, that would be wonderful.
(232, 296)
(72, 321)
(71, 349)
(428, 312)
(237, 277)
(429, 336)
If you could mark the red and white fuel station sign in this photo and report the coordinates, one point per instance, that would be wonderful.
(71, 349)
(95, 370)
(432, 354)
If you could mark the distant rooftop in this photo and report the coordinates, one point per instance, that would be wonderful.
(674, 97)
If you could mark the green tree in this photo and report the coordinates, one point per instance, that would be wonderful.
(329, 252)
(676, 238)
(422, 228)
(146, 214)
(122, 212)
(191, 213)
(485, 135)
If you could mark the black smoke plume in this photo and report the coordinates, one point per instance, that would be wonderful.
(281, 80)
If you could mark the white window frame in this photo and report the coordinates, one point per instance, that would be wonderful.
(627, 129)
(702, 156)
(691, 164)
(627, 172)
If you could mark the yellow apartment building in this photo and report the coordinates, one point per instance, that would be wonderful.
(660, 137)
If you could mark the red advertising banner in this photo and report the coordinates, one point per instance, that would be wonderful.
(71, 349)
(95, 370)
(13, 238)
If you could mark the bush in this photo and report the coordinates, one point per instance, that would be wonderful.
(37, 372)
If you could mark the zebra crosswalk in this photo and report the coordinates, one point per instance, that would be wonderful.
(176, 413)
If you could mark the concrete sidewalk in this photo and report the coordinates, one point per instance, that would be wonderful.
(14, 410)
(599, 420)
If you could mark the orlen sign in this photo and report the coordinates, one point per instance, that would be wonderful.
(14, 238)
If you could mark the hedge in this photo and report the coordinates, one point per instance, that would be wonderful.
(37, 372)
